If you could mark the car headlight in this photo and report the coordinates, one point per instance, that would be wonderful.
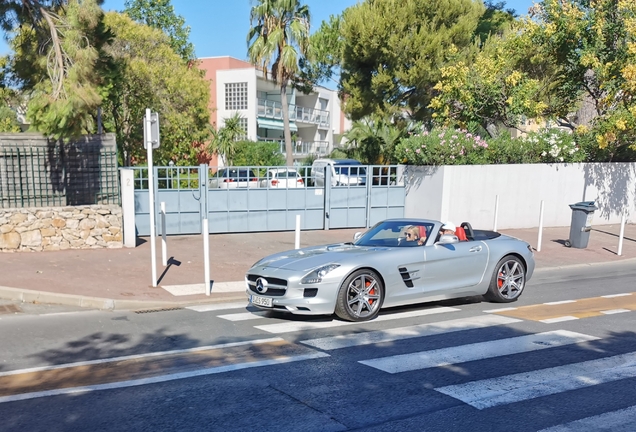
(317, 275)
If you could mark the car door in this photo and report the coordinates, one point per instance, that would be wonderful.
(454, 266)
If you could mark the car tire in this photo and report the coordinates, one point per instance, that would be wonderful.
(508, 280)
(360, 297)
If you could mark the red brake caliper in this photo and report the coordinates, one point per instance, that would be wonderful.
(499, 280)
(367, 284)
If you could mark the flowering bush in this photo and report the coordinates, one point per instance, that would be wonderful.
(442, 146)
(445, 146)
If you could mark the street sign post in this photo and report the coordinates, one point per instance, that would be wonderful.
(151, 141)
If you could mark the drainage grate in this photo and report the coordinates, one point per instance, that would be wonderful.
(143, 311)
(9, 309)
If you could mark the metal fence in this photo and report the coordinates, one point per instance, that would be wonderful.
(37, 172)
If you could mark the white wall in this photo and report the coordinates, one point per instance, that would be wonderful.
(468, 193)
(236, 76)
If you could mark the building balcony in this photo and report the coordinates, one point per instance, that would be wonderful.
(274, 110)
(303, 148)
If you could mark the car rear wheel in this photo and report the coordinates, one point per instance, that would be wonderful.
(360, 296)
(508, 280)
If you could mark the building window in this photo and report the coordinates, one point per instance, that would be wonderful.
(323, 103)
(243, 124)
(236, 96)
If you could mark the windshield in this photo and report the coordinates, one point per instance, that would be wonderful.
(396, 234)
(350, 170)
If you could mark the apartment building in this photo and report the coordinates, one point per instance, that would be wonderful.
(316, 120)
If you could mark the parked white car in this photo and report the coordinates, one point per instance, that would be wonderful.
(282, 178)
(233, 178)
(344, 172)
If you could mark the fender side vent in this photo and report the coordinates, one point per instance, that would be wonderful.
(406, 277)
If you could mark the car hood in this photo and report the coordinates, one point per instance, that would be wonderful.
(310, 258)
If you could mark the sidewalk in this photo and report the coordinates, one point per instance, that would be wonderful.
(121, 278)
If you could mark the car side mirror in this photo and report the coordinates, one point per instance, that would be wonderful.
(357, 235)
(447, 239)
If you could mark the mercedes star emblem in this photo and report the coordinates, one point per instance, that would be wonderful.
(261, 285)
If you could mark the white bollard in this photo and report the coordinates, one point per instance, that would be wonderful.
(297, 242)
(540, 228)
(494, 225)
(206, 256)
(164, 244)
(620, 236)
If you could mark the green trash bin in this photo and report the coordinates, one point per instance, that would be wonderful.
(582, 213)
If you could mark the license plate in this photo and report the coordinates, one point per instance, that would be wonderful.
(261, 301)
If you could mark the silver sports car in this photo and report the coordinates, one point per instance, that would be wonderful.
(396, 262)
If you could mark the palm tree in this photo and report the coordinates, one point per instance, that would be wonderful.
(373, 140)
(224, 139)
(279, 32)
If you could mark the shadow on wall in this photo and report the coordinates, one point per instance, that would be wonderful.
(615, 185)
(414, 176)
(75, 170)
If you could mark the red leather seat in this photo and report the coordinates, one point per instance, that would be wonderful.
(461, 234)
(422, 232)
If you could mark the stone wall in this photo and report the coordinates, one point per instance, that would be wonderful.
(60, 228)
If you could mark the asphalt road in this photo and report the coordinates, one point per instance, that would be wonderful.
(569, 365)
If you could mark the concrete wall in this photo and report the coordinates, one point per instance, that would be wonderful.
(468, 193)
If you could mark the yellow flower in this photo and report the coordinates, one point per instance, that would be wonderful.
(621, 125)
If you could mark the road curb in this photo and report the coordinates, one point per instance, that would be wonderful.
(32, 296)
(583, 265)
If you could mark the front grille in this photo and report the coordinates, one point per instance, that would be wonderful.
(310, 292)
(270, 280)
(271, 292)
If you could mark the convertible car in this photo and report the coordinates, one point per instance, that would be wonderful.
(386, 266)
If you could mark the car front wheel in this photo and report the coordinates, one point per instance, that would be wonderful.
(508, 280)
(360, 296)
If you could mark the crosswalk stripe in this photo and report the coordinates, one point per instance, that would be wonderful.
(476, 351)
(421, 330)
(558, 319)
(293, 326)
(217, 306)
(616, 295)
(624, 420)
(529, 385)
(243, 316)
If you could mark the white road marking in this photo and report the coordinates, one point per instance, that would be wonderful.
(192, 289)
(559, 302)
(500, 310)
(217, 306)
(616, 295)
(530, 385)
(624, 420)
(558, 319)
(139, 356)
(293, 326)
(421, 330)
(476, 351)
(615, 311)
(163, 378)
(243, 316)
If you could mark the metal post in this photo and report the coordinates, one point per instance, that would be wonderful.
(297, 242)
(206, 256)
(622, 233)
(164, 245)
(151, 197)
(540, 228)
(494, 225)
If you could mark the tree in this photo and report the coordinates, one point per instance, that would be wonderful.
(393, 51)
(507, 81)
(279, 33)
(151, 75)
(44, 27)
(249, 153)
(65, 82)
(373, 140)
(594, 44)
(322, 62)
(160, 14)
(225, 139)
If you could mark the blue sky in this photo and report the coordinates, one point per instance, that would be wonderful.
(219, 27)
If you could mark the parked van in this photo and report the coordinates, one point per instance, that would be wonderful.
(344, 172)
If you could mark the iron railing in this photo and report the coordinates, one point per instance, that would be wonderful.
(41, 173)
(274, 110)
